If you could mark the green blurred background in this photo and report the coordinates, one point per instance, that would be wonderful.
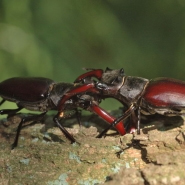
(56, 39)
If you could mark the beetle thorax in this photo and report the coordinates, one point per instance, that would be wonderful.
(132, 89)
(59, 91)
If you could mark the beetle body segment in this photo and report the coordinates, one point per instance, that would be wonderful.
(127, 90)
(112, 76)
(36, 94)
(132, 89)
(58, 92)
(165, 92)
(25, 89)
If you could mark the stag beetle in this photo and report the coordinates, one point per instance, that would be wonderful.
(164, 96)
(43, 94)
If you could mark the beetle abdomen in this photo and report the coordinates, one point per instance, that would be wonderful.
(25, 89)
(165, 92)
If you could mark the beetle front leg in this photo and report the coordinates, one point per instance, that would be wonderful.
(138, 119)
(118, 120)
(135, 121)
(66, 133)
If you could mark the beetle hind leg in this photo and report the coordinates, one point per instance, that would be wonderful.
(24, 120)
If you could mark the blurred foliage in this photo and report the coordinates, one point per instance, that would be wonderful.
(57, 38)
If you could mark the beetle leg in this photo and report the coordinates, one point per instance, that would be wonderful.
(24, 120)
(97, 73)
(10, 112)
(78, 116)
(138, 119)
(2, 101)
(135, 121)
(66, 133)
(107, 117)
(116, 121)
(130, 125)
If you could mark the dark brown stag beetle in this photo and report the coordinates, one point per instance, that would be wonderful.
(164, 96)
(43, 94)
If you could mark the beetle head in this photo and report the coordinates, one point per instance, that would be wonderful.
(112, 76)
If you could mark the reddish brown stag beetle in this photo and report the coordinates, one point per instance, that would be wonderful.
(43, 94)
(164, 96)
